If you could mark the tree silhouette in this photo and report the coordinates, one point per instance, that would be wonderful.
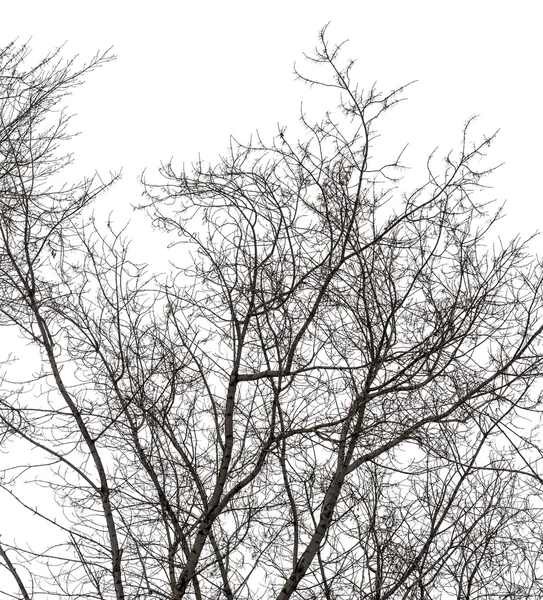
(334, 392)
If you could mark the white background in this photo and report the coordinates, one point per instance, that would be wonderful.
(190, 73)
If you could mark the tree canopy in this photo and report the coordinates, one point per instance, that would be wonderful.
(334, 392)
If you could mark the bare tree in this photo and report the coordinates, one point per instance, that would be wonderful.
(333, 393)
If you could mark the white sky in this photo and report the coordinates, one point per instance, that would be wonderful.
(190, 73)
